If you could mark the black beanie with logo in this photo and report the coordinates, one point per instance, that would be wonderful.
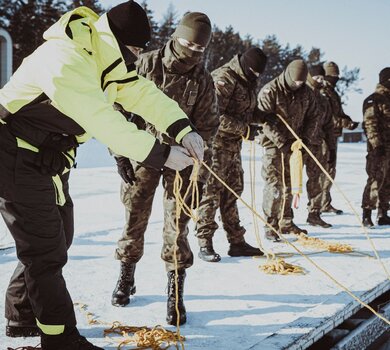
(129, 24)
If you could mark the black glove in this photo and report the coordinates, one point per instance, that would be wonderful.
(254, 131)
(271, 118)
(380, 151)
(353, 125)
(125, 170)
(50, 158)
(286, 148)
(332, 156)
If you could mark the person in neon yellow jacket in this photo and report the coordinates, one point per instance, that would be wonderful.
(61, 95)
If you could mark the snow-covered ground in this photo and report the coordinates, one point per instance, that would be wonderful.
(231, 304)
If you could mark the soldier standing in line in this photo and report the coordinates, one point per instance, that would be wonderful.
(322, 146)
(340, 121)
(376, 111)
(179, 71)
(288, 96)
(235, 83)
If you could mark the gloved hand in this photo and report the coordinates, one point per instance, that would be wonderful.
(286, 148)
(353, 125)
(50, 159)
(179, 158)
(254, 131)
(125, 170)
(332, 156)
(193, 143)
(380, 151)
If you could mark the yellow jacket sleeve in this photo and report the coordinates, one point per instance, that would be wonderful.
(70, 78)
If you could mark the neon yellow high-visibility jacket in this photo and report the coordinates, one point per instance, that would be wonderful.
(80, 68)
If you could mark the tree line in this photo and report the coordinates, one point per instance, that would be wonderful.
(26, 20)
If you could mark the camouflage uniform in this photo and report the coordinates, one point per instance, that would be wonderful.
(299, 110)
(194, 91)
(237, 109)
(322, 141)
(340, 121)
(376, 110)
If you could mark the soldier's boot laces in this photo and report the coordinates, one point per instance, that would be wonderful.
(243, 249)
(16, 329)
(314, 219)
(382, 218)
(331, 209)
(292, 229)
(207, 252)
(125, 285)
(367, 222)
(171, 302)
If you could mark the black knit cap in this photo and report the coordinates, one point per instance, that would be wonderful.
(331, 68)
(317, 69)
(254, 58)
(129, 23)
(384, 75)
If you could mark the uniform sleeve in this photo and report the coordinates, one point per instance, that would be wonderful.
(205, 115)
(266, 102)
(70, 80)
(312, 115)
(328, 128)
(371, 122)
(225, 86)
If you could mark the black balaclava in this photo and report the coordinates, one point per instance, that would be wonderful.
(253, 58)
(295, 71)
(315, 71)
(129, 24)
(194, 27)
(384, 77)
(332, 72)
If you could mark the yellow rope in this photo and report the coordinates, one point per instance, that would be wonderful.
(321, 244)
(272, 265)
(342, 193)
(297, 249)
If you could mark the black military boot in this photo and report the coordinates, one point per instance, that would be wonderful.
(271, 235)
(367, 222)
(292, 229)
(16, 329)
(125, 285)
(314, 219)
(69, 340)
(207, 252)
(171, 303)
(382, 218)
(243, 249)
(331, 209)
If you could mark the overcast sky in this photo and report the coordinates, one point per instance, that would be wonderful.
(354, 33)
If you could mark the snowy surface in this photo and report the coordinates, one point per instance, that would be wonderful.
(231, 304)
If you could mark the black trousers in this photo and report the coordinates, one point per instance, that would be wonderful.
(42, 231)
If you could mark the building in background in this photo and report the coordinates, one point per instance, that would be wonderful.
(5, 57)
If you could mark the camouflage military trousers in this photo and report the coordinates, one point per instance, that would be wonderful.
(326, 183)
(273, 194)
(377, 190)
(316, 179)
(227, 165)
(138, 201)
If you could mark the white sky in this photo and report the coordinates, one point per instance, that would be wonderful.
(351, 33)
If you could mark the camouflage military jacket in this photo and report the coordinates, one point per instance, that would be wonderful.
(298, 108)
(237, 105)
(340, 119)
(324, 129)
(376, 116)
(193, 91)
